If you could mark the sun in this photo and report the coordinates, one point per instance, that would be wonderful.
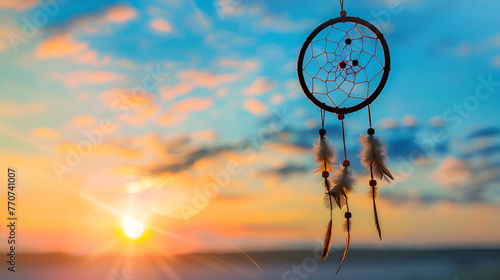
(133, 228)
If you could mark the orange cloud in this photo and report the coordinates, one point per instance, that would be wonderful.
(17, 4)
(277, 99)
(170, 93)
(143, 114)
(4, 33)
(45, 133)
(86, 77)
(171, 119)
(191, 79)
(259, 87)
(206, 79)
(119, 14)
(84, 120)
(254, 106)
(451, 173)
(103, 150)
(125, 96)
(91, 57)
(14, 109)
(59, 46)
(161, 25)
(97, 22)
(191, 104)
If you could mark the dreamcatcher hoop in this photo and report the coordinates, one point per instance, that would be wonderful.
(385, 68)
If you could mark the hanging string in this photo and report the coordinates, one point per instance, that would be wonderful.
(343, 139)
(369, 116)
(342, 12)
(323, 113)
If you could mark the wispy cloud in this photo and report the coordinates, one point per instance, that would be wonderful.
(75, 79)
(59, 46)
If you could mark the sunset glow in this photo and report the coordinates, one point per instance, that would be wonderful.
(133, 228)
(157, 129)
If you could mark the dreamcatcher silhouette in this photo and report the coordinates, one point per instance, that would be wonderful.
(342, 67)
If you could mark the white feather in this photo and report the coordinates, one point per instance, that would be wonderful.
(343, 184)
(373, 154)
(324, 155)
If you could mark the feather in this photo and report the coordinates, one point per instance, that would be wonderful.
(324, 155)
(328, 185)
(343, 184)
(373, 154)
(347, 226)
(338, 194)
(327, 243)
(327, 201)
(374, 194)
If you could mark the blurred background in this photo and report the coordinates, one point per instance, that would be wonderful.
(171, 140)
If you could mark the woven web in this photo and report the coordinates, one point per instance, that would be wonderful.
(343, 64)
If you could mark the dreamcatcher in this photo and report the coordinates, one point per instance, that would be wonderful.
(342, 68)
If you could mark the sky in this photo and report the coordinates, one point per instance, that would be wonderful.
(188, 116)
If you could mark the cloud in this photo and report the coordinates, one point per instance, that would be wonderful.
(254, 106)
(451, 173)
(91, 57)
(191, 104)
(207, 79)
(101, 21)
(262, 19)
(14, 109)
(172, 92)
(203, 135)
(282, 24)
(171, 120)
(17, 4)
(104, 150)
(143, 114)
(389, 123)
(45, 133)
(288, 170)
(259, 86)
(59, 46)
(222, 92)
(191, 79)
(485, 132)
(4, 35)
(84, 120)
(161, 25)
(79, 78)
(118, 14)
(126, 97)
(243, 66)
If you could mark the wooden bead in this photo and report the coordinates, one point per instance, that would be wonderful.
(325, 174)
(343, 13)
(322, 132)
(373, 183)
(340, 116)
(371, 131)
(346, 163)
(347, 215)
